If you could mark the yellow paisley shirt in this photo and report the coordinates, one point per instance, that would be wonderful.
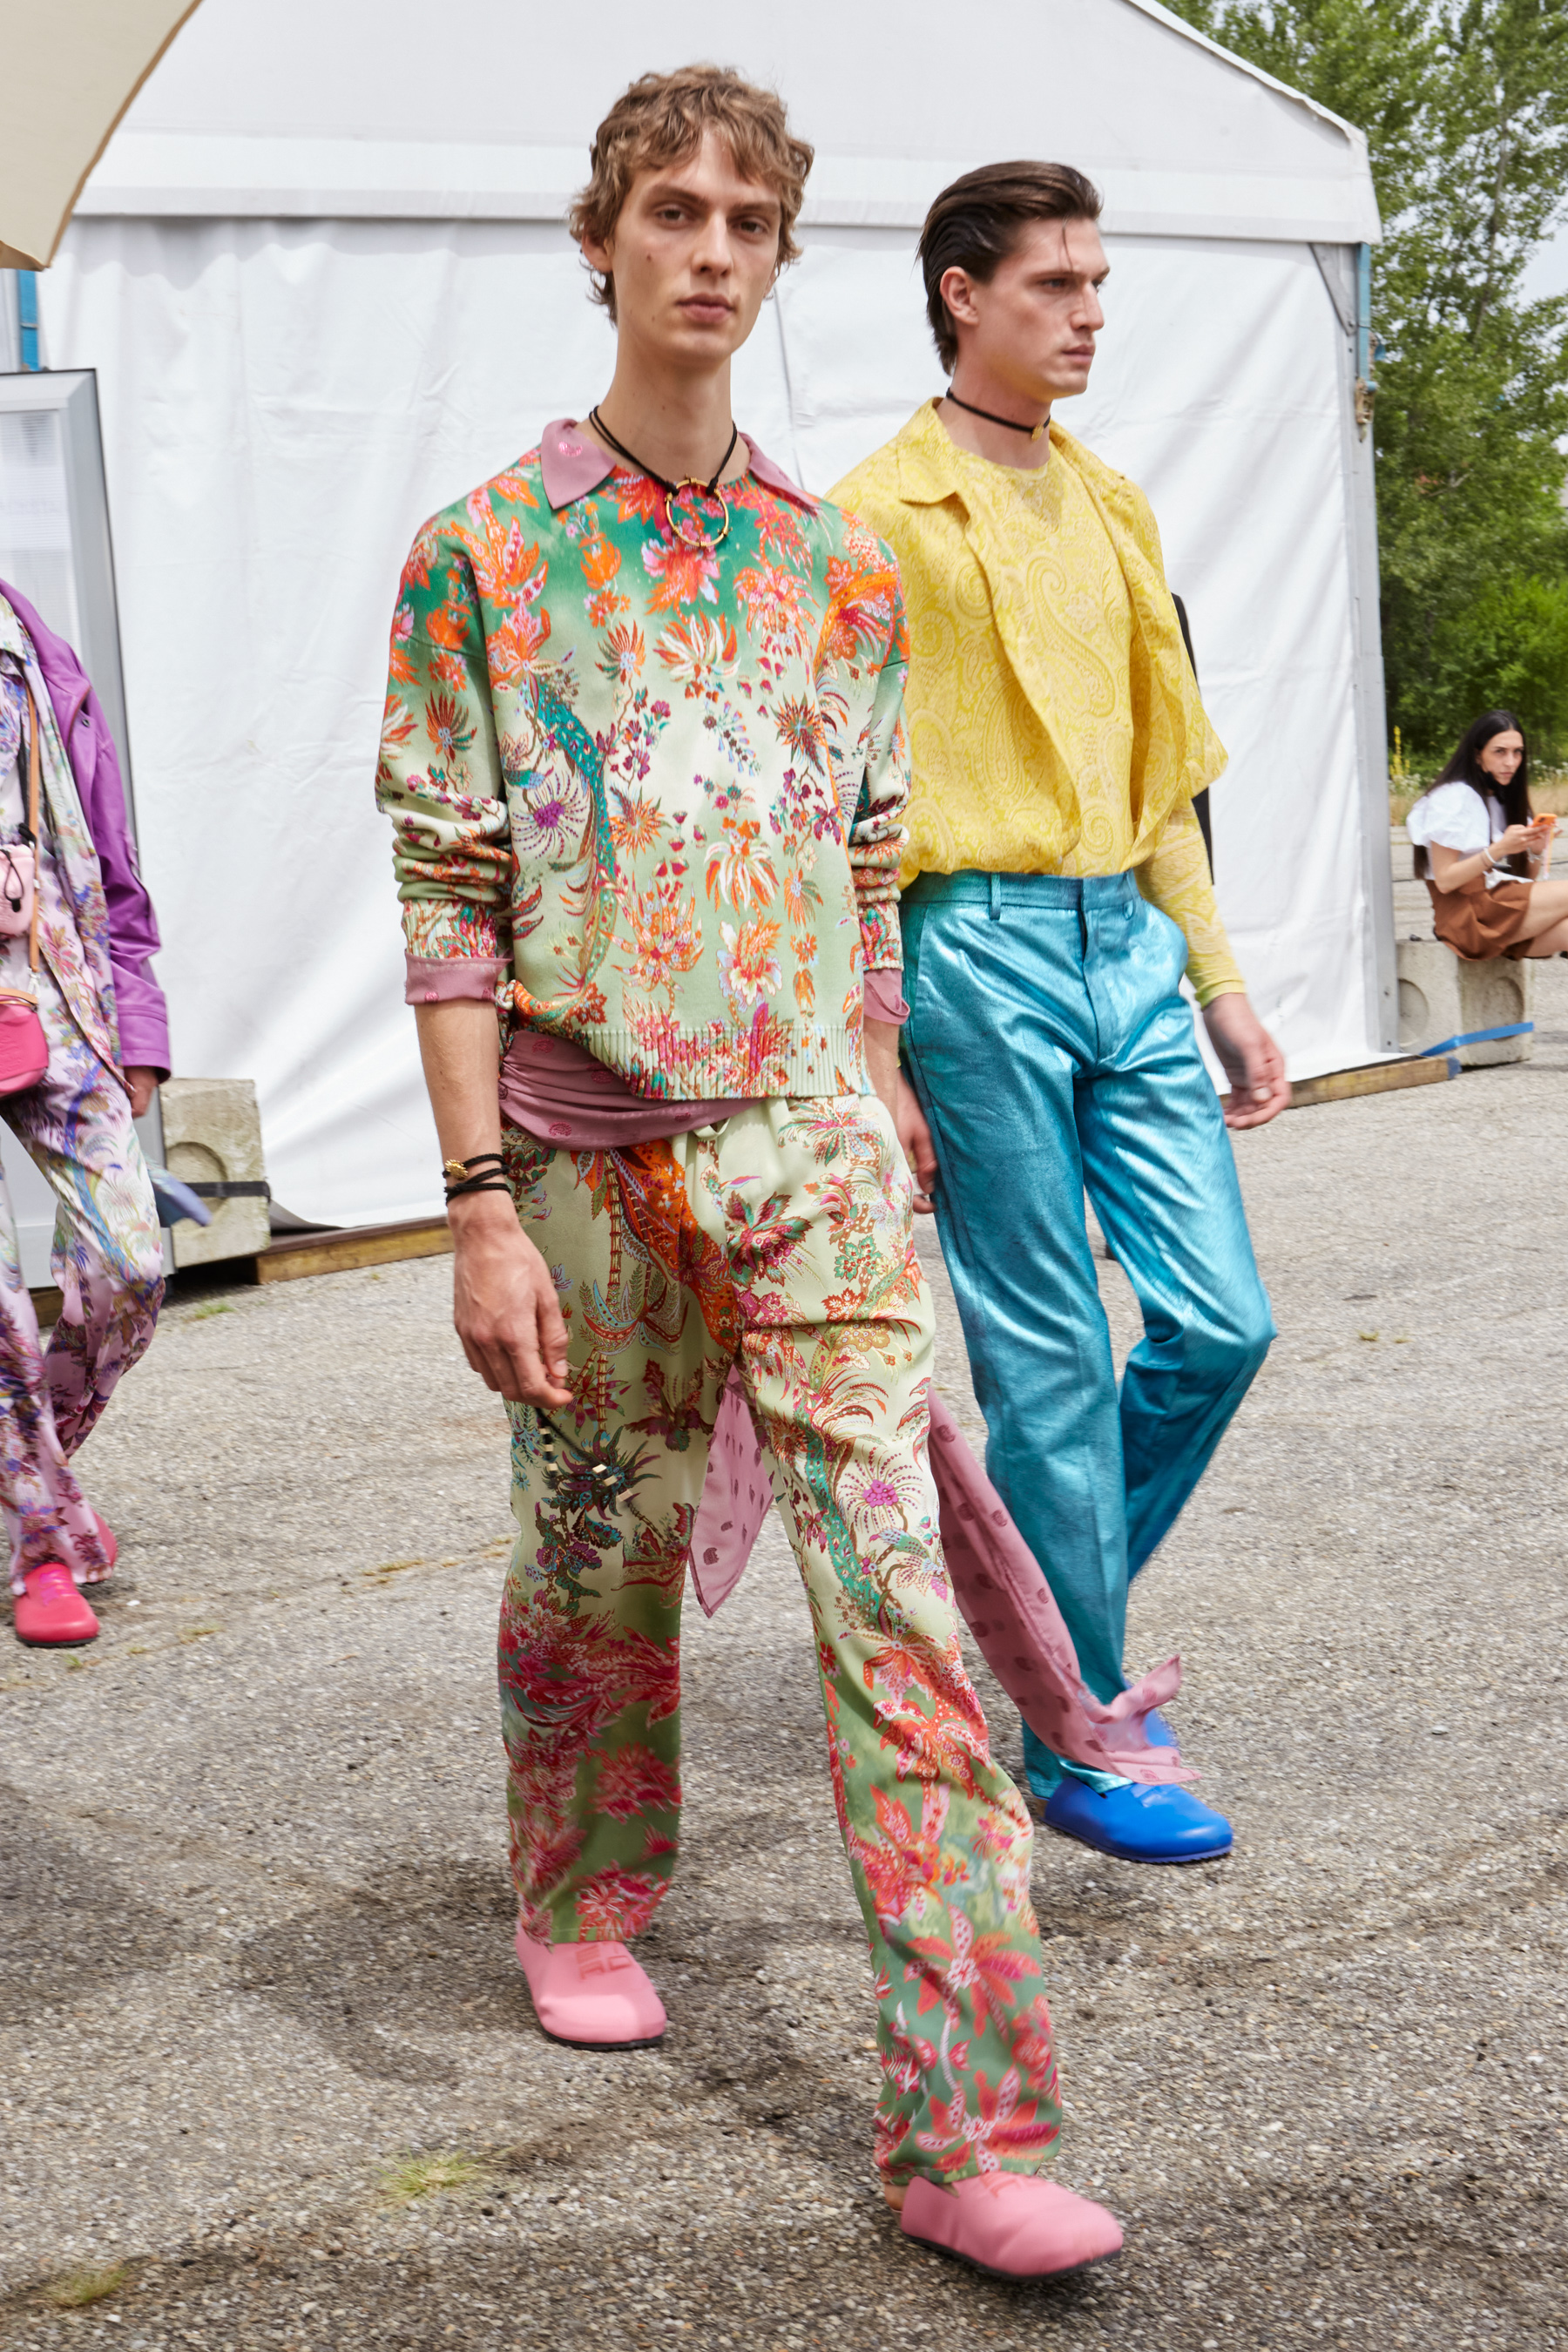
(1055, 724)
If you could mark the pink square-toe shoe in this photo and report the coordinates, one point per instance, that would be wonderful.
(593, 1995)
(1011, 2224)
(51, 1614)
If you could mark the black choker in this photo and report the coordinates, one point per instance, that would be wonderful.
(1033, 431)
(673, 490)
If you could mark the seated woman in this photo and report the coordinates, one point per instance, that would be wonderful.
(1482, 855)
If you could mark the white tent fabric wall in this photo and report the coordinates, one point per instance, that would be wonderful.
(284, 399)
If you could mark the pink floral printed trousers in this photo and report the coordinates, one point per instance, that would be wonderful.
(108, 1263)
(780, 1239)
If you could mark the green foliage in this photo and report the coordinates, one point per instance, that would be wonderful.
(1465, 105)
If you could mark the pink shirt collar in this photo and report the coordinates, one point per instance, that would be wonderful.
(572, 464)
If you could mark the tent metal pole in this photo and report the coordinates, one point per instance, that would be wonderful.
(27, 318)
(1370, 707)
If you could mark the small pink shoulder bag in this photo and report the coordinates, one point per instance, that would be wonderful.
(24, 1048)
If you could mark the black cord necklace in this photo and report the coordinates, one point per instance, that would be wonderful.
(673, 490)
(1033, 431)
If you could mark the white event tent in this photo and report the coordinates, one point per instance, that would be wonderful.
(322, 275)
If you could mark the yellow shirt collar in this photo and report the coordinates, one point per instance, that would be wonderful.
(930, 467)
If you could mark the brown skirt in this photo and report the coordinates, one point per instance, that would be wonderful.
(1479, 923)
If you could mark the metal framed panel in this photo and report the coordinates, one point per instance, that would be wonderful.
(54, 542)
(1346, 272)
(55, 547)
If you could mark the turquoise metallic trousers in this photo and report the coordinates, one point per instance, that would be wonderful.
(1054, 1056)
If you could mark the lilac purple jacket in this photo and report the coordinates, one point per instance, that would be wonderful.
(144, 1016)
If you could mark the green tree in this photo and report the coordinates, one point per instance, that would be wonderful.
(1465, 105)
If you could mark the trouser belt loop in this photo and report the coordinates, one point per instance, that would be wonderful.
(995, 880)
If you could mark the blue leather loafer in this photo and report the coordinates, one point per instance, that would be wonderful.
(1141, 1822)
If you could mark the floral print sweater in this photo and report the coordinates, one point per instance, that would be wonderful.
(651, 795)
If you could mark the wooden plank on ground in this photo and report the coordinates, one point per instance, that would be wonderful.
(1376, 1078)
(301, 1254)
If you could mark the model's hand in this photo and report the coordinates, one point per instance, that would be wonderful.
(919, 1150)
(140, 1085)
(504, 1303)
(1259, 1090)
(1514, 840)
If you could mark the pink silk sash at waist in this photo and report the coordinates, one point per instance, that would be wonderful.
(560, 1093)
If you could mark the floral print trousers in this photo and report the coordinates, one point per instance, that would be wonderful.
(780, 1240)
(108, 1262)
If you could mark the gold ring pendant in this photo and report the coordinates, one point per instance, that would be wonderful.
(703, 491)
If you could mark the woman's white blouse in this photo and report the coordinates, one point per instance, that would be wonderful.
(1456, 817)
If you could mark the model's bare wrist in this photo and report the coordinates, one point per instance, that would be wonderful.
(477, 1213)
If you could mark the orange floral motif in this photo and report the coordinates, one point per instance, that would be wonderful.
(401, 664)
(396, 730)
(739, 867)
(863, 604)
(683, 572)
(604, 607)
(748, 967)
(635, 822)
(698, 648)
(600, 559)
(668, 933)
(772, 598)
(448, 726)
(622, 653)
(638, 498)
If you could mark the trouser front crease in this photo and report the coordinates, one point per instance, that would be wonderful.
(1055, 1058)
(780, 1240)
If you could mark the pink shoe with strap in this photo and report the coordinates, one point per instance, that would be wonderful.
(595, 1996)
(1012, 2225)
(50, 1612)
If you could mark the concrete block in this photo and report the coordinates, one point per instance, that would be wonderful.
(212, 1135)
(1441, 997)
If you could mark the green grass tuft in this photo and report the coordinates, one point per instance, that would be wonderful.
(76, 2289)
(444, 2173)
(217, 1306)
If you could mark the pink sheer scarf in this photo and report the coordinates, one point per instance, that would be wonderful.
(996, 1581)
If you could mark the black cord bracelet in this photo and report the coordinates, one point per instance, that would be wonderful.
(492, 1181)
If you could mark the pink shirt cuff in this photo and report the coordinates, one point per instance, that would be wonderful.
(436, 979)
(884, 995)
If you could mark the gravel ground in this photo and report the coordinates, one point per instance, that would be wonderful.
(268, 2074)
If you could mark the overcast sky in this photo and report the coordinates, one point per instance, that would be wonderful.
(1547, 273)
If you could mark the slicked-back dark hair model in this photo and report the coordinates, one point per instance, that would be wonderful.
(977, 223)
